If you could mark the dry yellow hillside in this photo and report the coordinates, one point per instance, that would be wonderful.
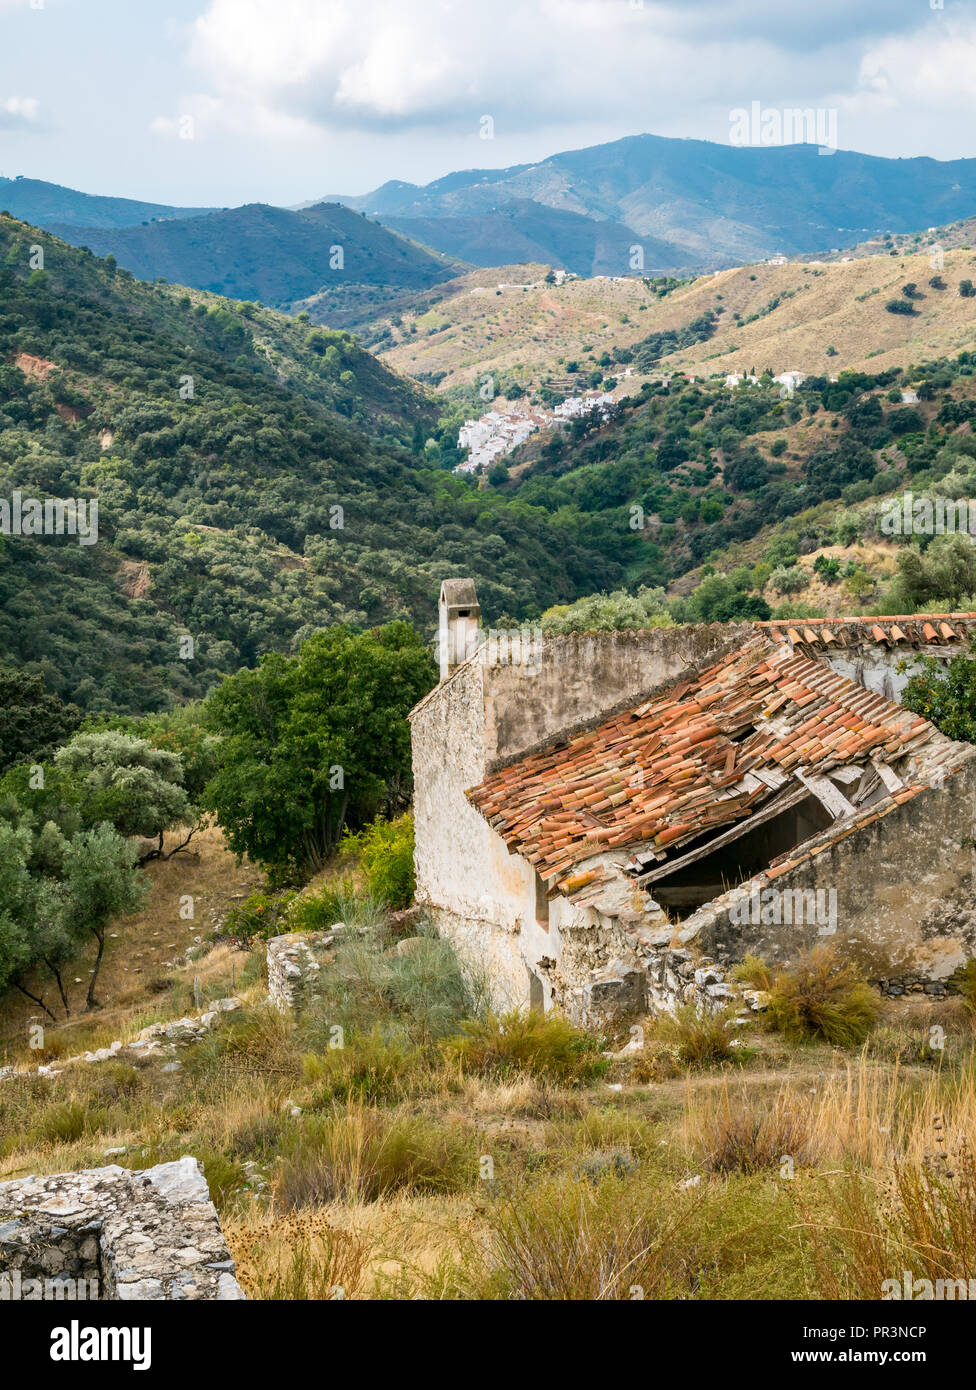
(840, 305)
(532, 329)
(507, 319)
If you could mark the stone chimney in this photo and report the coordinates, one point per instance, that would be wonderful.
(460, 615)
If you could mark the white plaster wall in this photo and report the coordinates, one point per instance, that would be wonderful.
(876, 668)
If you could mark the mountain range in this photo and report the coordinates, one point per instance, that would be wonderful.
(712, 204)
(641, 205)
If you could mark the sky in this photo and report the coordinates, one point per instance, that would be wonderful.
(222, 102)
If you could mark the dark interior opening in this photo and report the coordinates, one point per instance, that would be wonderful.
(541, 902)
(687, 889)
(537, 997)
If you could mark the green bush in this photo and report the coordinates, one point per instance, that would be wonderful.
(259, 917)
(420, 995)
(822, 996)
(700, 1039)
(385, 850)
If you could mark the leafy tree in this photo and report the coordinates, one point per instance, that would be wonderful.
(125, 782)
(946, 694)
(101, 882)
(315, 742)
(967, 289)
(33, 722)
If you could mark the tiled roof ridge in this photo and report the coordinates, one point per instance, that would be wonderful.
(866, 618)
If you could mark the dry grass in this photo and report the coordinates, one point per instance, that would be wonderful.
(838, 305)
(143, 951)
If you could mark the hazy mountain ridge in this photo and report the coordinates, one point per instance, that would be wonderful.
(42, 203)
(260, 252)
(716, 203)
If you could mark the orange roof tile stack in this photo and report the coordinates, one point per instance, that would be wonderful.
(662, 773)
(916, 630)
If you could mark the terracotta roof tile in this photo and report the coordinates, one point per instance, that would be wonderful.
(677, 766)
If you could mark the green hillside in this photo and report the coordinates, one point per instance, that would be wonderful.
(42, 203)
(266, 253)
(218, 509)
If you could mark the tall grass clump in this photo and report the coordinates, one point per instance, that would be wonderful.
(623, 1238)
(823, 996)
(420, 995)
(918, 1217)
(296, 1257)
(360, 1154)
(543, 1045)
(700, 1038)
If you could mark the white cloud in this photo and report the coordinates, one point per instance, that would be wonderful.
(934, 70)
(19, 113)
(380, 63)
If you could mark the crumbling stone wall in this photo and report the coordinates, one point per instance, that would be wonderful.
(146, 1235)
(905, 884)
(294, 965)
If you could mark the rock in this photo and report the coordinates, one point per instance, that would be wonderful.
(757, 999)
(619, 1162)
(147, 1235)
(409, 945)
(708, 975)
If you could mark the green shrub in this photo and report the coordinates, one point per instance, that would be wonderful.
(420, 995)
(787, 579)
(385, 849)
(538, 1044)
(259, 917)
(822, 996)
(752, 971)
(69, 1121)
(370, 1066)
(964, 982)
(700, 1039)
(320, 910)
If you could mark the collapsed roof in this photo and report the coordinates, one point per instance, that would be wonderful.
(713, 757)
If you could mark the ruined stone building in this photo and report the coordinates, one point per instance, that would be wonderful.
(593, 823)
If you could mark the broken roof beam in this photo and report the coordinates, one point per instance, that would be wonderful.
(791, 797)
(828, 794)
(888, 775)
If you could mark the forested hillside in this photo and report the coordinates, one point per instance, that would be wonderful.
(268, 253)
(237, 505)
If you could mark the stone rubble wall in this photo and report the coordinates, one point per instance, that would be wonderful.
(146, 1235)
(294, 965)
(157, 1038)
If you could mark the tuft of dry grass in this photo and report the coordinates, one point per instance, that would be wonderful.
(300, 1256)
(822, 995)
(747, 1132)
(360, 1154)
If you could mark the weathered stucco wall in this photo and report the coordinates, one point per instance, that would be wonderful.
(587, 676)
(877, 667)
(482, 897)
